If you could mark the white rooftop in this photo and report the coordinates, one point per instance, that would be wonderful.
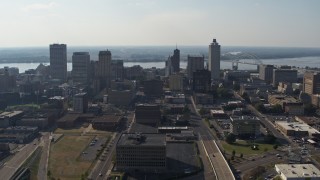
(297, 126)
(298, 170)
(214, 111)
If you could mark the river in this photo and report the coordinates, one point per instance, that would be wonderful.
(298, 62)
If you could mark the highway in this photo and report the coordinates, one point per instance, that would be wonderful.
(221, 169)
(43, 164)
(11, 166)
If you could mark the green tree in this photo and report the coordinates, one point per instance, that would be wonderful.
(236, 87)
(233, 152)
(186, 109)
(241, 155)
(276, 109)
(230, 138)
(49, 173)
(309, 109)
(260, 107)
(270, 139)
(202, 111)
(275, 146)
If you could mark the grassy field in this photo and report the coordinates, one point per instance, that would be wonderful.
(63, 162)
(245, 148)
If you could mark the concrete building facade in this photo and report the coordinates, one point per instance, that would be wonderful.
(144, 152)
(176, 82)
(201, 81)
(194, 63)
(266, 72)
(147, 114)
(104, 68)
(214, 60)
(80, 67)
(311, 83)
(80, 103)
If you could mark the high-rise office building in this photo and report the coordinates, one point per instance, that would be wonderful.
(58, 61)
(80, 67)
(175, 60)
(194, 63)
(311, 83)
(104, 68)
(284, 75)
(214, 60)
(173, 63)
(201, 81)
(117, 70)
(266, 72)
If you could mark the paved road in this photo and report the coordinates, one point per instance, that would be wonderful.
(264, 120)
(43, 164)
(102, 167)
(10, 167)
(221, 168)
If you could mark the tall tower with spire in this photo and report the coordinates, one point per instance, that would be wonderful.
(214, 60)
(175, 60)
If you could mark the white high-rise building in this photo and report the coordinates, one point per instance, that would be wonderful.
(214, 60)
(58, 61)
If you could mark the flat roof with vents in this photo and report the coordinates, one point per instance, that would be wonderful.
(298, 171)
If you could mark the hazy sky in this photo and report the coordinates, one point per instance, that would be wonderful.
(160, 22)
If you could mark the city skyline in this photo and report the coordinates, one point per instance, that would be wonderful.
(139, 22)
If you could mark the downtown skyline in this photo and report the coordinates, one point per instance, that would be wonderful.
(140, 22)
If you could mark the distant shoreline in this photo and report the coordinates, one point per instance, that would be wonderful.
(150, 61)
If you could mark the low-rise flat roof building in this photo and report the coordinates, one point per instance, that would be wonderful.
(106, 122)
(289, 104)
(145, 152)
(245, 126)
(9, 118)
(296, 128)
(297, 171)
(68, 121)
(218, 114)
(147, 114)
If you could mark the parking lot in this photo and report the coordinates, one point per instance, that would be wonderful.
(91, 151)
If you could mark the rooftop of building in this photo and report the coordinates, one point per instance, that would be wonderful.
(80, 95)
(173, 127)
(298, 170)
(80, 53)
(9, 114)
(70, 117)
(297, 126)
(107, 52)
(30, 128)
(244, 118)
(57, 98)
(217, 111)
(283, 97)
(142, 139)
(107, 118)
(308, 119)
